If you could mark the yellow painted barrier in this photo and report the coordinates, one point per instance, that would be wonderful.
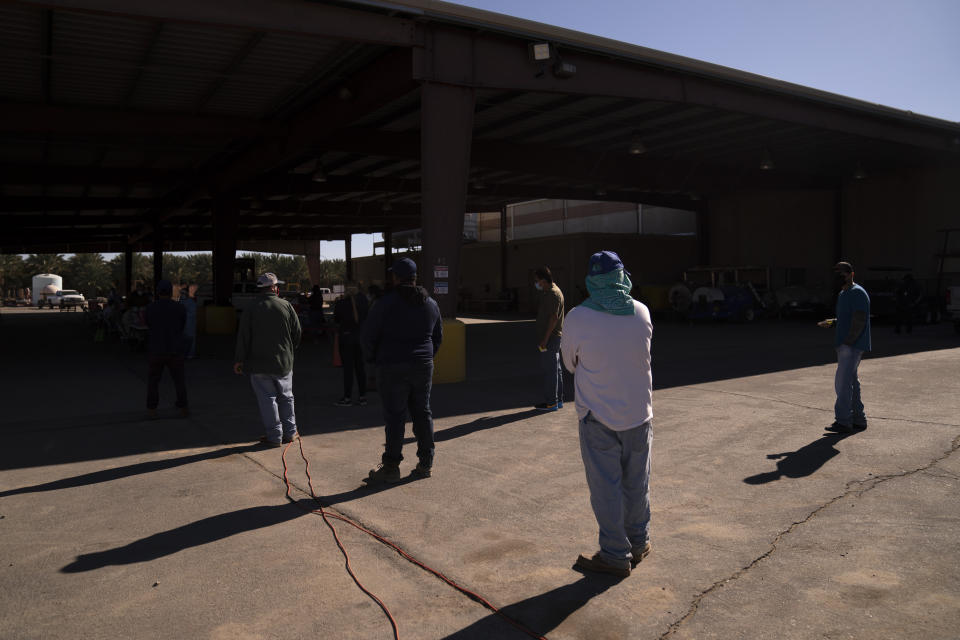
(220, 320)
(450, 363)
(656, 297)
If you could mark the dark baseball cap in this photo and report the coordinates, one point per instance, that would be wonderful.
(604, 262)
(404, 268)
(164, 288)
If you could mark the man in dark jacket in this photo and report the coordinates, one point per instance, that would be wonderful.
(269, 333)
(349, 312)
(166, 347)
(402, 335)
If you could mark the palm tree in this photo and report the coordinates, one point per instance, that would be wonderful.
(12, 274)
(89, 273)
(37, 263)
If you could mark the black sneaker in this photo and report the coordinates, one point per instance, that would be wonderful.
(343, 402)
(546, 406)
(837, 427)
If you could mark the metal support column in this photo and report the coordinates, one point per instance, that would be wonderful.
(703, 233)
(127, 270)
(348, 257)
(446, 131)
(387, 257)
(157, 256)
(838, 224)
(225, 218)
(503, 248)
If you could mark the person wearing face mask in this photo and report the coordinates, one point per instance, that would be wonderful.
(549, 328)
(852, 339)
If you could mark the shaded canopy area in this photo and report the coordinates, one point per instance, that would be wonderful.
(167, 125)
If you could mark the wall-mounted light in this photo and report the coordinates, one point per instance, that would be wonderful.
(563, 69)
(766, 162)
(540, 51)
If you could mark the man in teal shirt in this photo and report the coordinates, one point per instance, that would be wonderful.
(852, 339)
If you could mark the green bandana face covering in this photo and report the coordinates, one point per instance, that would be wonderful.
(610, 293)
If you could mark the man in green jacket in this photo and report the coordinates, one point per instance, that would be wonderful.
(269, 332)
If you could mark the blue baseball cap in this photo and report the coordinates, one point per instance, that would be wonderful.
(404, 268)
(164, 288)
(604, 262)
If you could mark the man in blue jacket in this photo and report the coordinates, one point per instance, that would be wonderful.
(401, 335)
(852, 339)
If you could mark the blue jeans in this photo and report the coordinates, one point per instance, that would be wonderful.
(406, 387)
(848, 408)
(618, 475)
(552, 373)
(275, 397)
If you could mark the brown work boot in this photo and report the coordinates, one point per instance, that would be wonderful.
(598, 563)
(421, 471)
(385, 473)
(639, 553)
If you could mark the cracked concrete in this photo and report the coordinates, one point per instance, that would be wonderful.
(763, 527)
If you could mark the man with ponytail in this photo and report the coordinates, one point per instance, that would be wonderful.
(606, 345)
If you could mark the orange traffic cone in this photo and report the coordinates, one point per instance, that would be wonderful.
(336, 351)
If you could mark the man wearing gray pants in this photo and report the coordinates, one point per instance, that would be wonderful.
(606, 345)
(269, 332)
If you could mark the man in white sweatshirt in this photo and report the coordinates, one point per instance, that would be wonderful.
(606, 345)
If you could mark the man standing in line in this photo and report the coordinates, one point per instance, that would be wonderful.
(188, 298)
(549, 328)
(402, 335)
(606, 345)
(349, 312)
(269, 333)
(166, 347)
(852, 338)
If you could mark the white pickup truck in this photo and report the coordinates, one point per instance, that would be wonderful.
(66, 298)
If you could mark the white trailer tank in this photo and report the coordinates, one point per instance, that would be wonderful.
(41, 281)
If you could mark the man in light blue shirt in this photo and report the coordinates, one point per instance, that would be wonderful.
(852, 339)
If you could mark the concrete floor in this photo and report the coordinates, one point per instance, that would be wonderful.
(763, 525)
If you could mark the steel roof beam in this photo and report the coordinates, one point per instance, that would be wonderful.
(93, 175)
(283, 16)
(50, 203)
(486, 61)
(96, 123)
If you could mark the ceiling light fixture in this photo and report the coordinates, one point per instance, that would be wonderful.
(319, 175)
(387, 207)
(859, 173)
(636, 146)
(601, 192)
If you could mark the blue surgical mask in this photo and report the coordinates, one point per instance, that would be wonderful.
(537, 285)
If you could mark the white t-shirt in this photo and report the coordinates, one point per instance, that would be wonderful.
(610, 358)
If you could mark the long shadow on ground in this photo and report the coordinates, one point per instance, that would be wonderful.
(803, 462)
(190, 535)
(542, 613)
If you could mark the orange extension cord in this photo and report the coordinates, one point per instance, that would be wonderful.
(326, 518)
